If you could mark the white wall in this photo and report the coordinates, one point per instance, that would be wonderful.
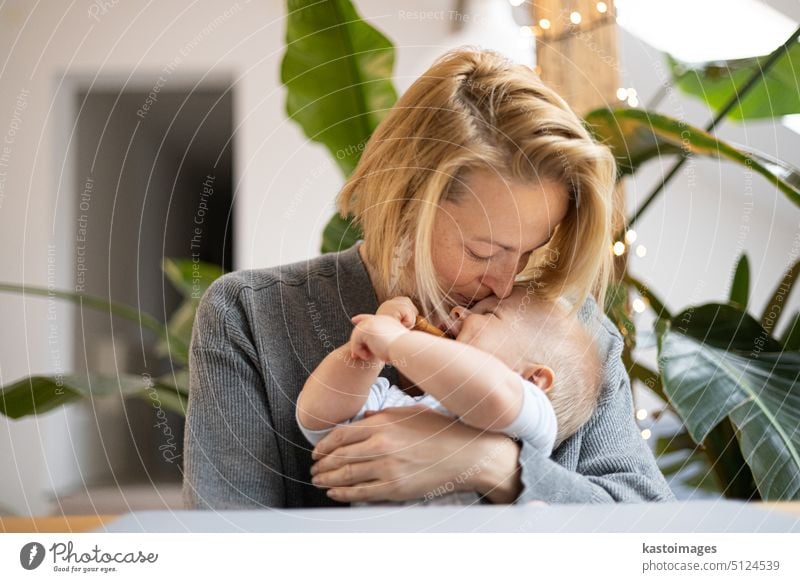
(284, 185)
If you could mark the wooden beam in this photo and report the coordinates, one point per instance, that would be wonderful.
(579, 59)
(577, 55)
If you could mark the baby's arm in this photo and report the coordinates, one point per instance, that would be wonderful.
(336, 390)
(470, 383)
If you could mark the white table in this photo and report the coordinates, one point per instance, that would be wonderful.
(676, 517)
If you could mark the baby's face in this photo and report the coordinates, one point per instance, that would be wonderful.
(493, 325)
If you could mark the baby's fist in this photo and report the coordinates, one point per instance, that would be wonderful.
(373, 335)
(400, 308)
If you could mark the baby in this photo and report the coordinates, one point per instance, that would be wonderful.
(520, 366)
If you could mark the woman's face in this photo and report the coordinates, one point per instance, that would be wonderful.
(482, 241)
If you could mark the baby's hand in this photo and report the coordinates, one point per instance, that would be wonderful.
(400, 308)
(373, 335)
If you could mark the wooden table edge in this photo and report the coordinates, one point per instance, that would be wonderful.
(54, 524)
(788, 507)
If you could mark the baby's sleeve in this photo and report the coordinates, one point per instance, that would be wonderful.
(375, 399)
(536, 423)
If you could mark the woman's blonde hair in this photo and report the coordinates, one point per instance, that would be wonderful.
(474, 109)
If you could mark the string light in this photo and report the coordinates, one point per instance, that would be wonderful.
(641, 251)
(639, 306)
(630, 237)
(641, 414)
(577, 22)
(633, 100)
(628, 94)
(526, 31)
(646, 433)
(619, 248)
(516, 3)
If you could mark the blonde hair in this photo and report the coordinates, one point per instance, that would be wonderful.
(475, 109)
(555, 338)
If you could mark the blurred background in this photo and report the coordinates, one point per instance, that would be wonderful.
(137, 131)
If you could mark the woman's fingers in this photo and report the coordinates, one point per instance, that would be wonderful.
(349, 473)
(340, 436)
(355, 453)
(370, 491)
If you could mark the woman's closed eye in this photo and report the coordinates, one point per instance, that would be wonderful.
(475, 256)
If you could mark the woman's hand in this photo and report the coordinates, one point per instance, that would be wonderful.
(415, 452)
(373, 335)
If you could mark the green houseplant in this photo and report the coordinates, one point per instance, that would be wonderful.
(39, 394)
(736, 403)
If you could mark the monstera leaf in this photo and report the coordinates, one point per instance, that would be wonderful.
(719, 366)
(776, 92)
(636, 136)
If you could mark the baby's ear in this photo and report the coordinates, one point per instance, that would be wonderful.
(540, 375)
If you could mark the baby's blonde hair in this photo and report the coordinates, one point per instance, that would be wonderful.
(554, 337)
(475, 109)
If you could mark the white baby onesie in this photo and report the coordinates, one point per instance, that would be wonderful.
(536, 424)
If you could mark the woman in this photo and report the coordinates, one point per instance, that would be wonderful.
(479, 175)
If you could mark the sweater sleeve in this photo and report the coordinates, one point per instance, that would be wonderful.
(615, 464)
(231, 455)
(536, 422)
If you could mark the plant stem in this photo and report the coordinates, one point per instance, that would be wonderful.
(736, 99)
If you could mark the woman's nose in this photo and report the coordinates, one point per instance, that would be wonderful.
(501, 284)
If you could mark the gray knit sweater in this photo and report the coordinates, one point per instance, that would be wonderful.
(259, 333)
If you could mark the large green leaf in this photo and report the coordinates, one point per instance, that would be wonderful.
(725, 327)
(40, 394)
(757, 391)
(636, 136)
(776, 93)
(180, 326)
(338, 74)
(191, 278)
(774, 307)
(791, 335)
(339, 234)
